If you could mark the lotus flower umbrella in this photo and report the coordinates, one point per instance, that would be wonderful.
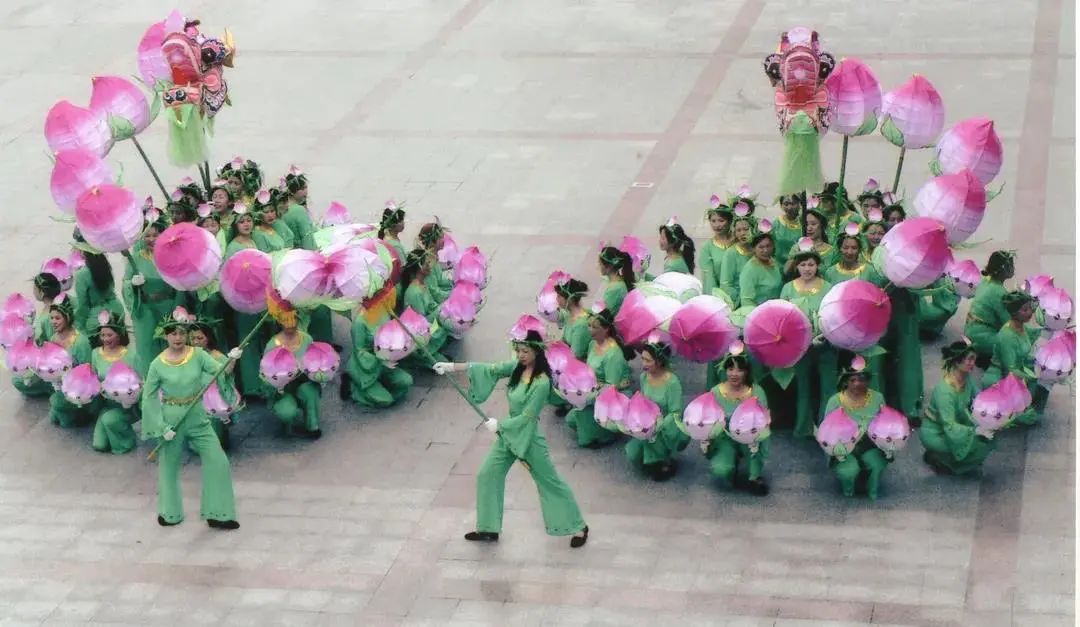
(320, 362)
(471, 293)
(914, 117)
(645, 309)
(109, 217)
(122, 384)
(971, 144)
(684, 286)
(392, 343)
(701, 330)
(524, 324)
(855, 95)
(965, 276)
(1016, 392)
(472, 267)
(889, 431)
(74, 171)
(914, 253)
(992, 409)
(956, 200)
(14, 329)
(69, 127)
(558, 356)
(1055, 359)
(1038, 284)
(777, 333)
(60, 269)
(80, 385)
(639, 253)
(749, 423)
(577, 384)
(854, 314)
(449, 253)
(457, 314)
(703, 418)
(245, 277)
(547, 302)
(278, 368)
(121, 104)
(337, 214)
(416, 324)
(187, 257)
(216, 405)
(837, 434)
(610, 407)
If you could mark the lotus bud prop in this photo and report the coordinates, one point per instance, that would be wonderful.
(645, 309)
(638, 251)
(972, 145)
(321, 362)
(14, 329)
(21, 359)
(1055, 308)
(1037, 285)
(992, 409)
(855, 94)
(1056, 358)
(642, 417)
(60, 269)
(685, 286)
(956, 200)
(121, 104)
(122, 384)
(151, 60)
(69, 127)
(109, 217)
(701, 330)
(749, 424)
(472, 267)
(80, 385)
(278, 368)
(216, 405)
(470, 292)
(19, 305)
(914, 116)
(777, 333)
(610, 407)
(854, 314)
(74, 171)
(53, 362)
(457, 314)
(703, 418)
(392, 343)
(245, 277)
(547, 302)
(415, 323)
(837, 434)
(449, 253)
(1016, 392)
(559, 357)
(889, 431)
(337, 214)
(965, 276)
(527, 323)
(577, 384)
(187, 257)
(914, 253)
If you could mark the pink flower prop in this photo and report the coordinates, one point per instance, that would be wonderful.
(914, 253)
(119, 101)
(685, 286)
(1056, 358)
(80, 385)
(392, 343)
(305, 277)
(558, 356)
(992, 409)
(449, 253)
(21, 359)
(216, 405)
(1037, 285)
(973, 145)
(701, 330)
(320, 362)
(525, 324)
(457, 314)
(611, 406)
(187, 256)
(965, 275)
(68, 127)
(889, 431)
(122, 384)
(337, 214)
(638, 251)
(914, 114)
(76, 260)
(1016, 393)
(837, 434)
(278, 368)
(855, 94)
(472, 266)
(19, 305)
(749, 423)
(14, 329)
(642, 417)
(388, 268)
(703, 418)
(355, 271)
(1055, 308)
(957, 200)
(53, 362)
(245, 277)
(109, 217)
(415, 323)
(151, 60)
(577, 384)
(854, 314)
(75, 171)
(470, 292)
(547, 302)
(59, 269)
(558, 277)
(777, 333)
(642, 313)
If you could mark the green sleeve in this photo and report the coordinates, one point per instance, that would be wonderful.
(537, 396)
(130, 301)
(286, 233)
(1009, 351)
(834, 402)
(578, 340)
(708, 278)
(960, 437)
(616, 370)
(673, 397)
(748, 285)
(787, 292)
(759, 393)
(420, 301)
(729, 272)
(153, 423)
(80, 350)
(484, 376)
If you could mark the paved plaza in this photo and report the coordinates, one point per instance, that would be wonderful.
(536, 129)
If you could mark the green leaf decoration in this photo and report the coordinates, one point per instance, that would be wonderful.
(991, 194)
(121, 128)
(873, 351)
(155, 107)
(891, 133)
(935, 167)
(868, 126)
(63, 219)
(783, 376)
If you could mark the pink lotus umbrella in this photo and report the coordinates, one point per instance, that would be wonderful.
(76, 260)
(392, 343)
(321, 362)
(777, 333)
(644, 311)
(21, 359)
(472, 267)
(547, 302)
(188, 257)
(1055, 308)
(415, 323)
(14, 329)
(889, 431)
(278, 368)
(80, 385)
(245, 277)
(703, 418)
(59, 269)
(685, 286)
(642, 417)
(388, 268)
(971, 144)
(956, 200)
(109, 217)
(638, 251)
(53, 362)
(965, 275)
(577, 384)
(854, 314)
(449, 253)
(610, 407)
(559, 357)
(120, 103)
(337, 214)
(914, 114)
(701, 329)
(457, 314)
(122, 384)
(749, 423)
(1056, 358)
(470, 292)
(992, 409)
(1037, 285)
(914, 253)
(837, 434)
(19, 305)
(75, 171)
(302, 277)
(68, 127)
(355, 272)
(525, 324)
(855, 94)
(216, 405)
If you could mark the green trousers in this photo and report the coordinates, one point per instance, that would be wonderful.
(113, 432)
(869, 460)
(588, 431)
(725, 455)
(218, 501)
(299, 406)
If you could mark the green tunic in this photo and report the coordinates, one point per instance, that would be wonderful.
(113, 432)
(986, 316)
(837, 273)
(148, 304)
(937, 305)
(609, 364)
(519, 438)
(267, 239)
(288, 238)
(676, 264)
(668, 439)
(828, 253)
(866, 457)
(171, 392)
(1014, 353)
(759, 282)
(299, 222)
(296, 406)
(614, 294)
(89, 300)
(247, 368)
(810, 375)
(61, 411)
(373, 383)
(948, 433)
(418, 296)
(576, 332)
(786, 235)
(439, 283)
(711, 261)
(903, 369)
(724, 453)
(735, 258)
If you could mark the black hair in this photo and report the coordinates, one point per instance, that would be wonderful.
(233, 228)
(186, 211)
(757, 239)
(891, 209)
(1014, 300)
(798, 197)
(294, 183)
(125, 337)
(845, 236)
(999, 266)
(193, 190)
(199, 325)
(955, 353)
(606, 318)
(101, 273)
(620, 262)
(659, 352)
(414, 261)
(390, 217)
(430, 233)
(47, 284)
(540, 364)
(821, 220)
(742, 363)
(684, 245)
(572, 290)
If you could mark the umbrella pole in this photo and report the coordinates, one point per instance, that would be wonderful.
(843, 160)
(899, 167)
(146, 160)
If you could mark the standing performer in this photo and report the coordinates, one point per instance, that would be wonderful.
(113, 432)
(873, 231)
(608, 361)
(391, 226)
(987, 313)
(202, 336)
(296, 216)
(240, 238)
(954, 443)
(678, 248)
(814, 228)
(148, 297)
(736, 256)
(861, 404)
(662, 386)
(518, 438)
(788, 228)
(617, 268)
(1013, 354)
(724, 453)
(871, 198)
(805, 291)
(852, 264)
(711, 255)
(95, 290)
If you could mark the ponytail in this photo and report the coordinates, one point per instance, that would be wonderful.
(626, 270)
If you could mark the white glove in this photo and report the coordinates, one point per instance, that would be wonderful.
(236, 353)
(443, 367)
(704, 446)
(225, 420)
(138, 280)
(169, 435)
(491, 424)
(984, 432)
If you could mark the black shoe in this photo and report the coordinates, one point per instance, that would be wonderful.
(562, 410)
(660, 472)
(936, 467)
(164, 523)
(345, 390)
(482, 536)
(311, 435)
(224, 525)
(757, 487)
(860, 484)
(576, 542)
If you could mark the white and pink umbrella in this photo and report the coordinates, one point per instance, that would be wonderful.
(965, 276)
(777, 333)
(992, 409)
(914, 253)
(1016, 392)
(21, 359)
(855, 95)
(121, 104)
(1037, 284)
(1055, 308)
(645, 309)
(53, 362)
(703, 418)
(956, 200)
(837, 434)
(547, 302)
(109, 217)
(245, 277)
(337, 214)
(187, 257)
(1055, 359)
(320, 362)
(638, 251)
(80, 385)
(470, 292)
(854, 314)
(122, 384)
(701, 329)
(914, 114)
(889, 431)
(449, 253)
(472, 267)
(684, 286)
(278, 367)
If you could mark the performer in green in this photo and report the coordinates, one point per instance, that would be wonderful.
(147, 296)
(617, 268)
(861, 404)
(518, 438)
(954, 443)
(662, 386)
(46, 289)
(806, 291)
(724, 454)
(852, 264)
(241, 238)
(711, 255)
(201, 336)
(438, 280)
(678, 248)
(94, 290)
(368, 380)
(297, 405)
(1013, 353)
(391, 226)
(574, 321)
(937, 305)
(608, 360)
(296, 215)
(788, 228)
(62, 318)
(419, 294)
(113, 432)
(736, 257)
(987, 313)
(814, 227)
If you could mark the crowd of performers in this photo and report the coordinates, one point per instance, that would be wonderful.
(175, 342)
